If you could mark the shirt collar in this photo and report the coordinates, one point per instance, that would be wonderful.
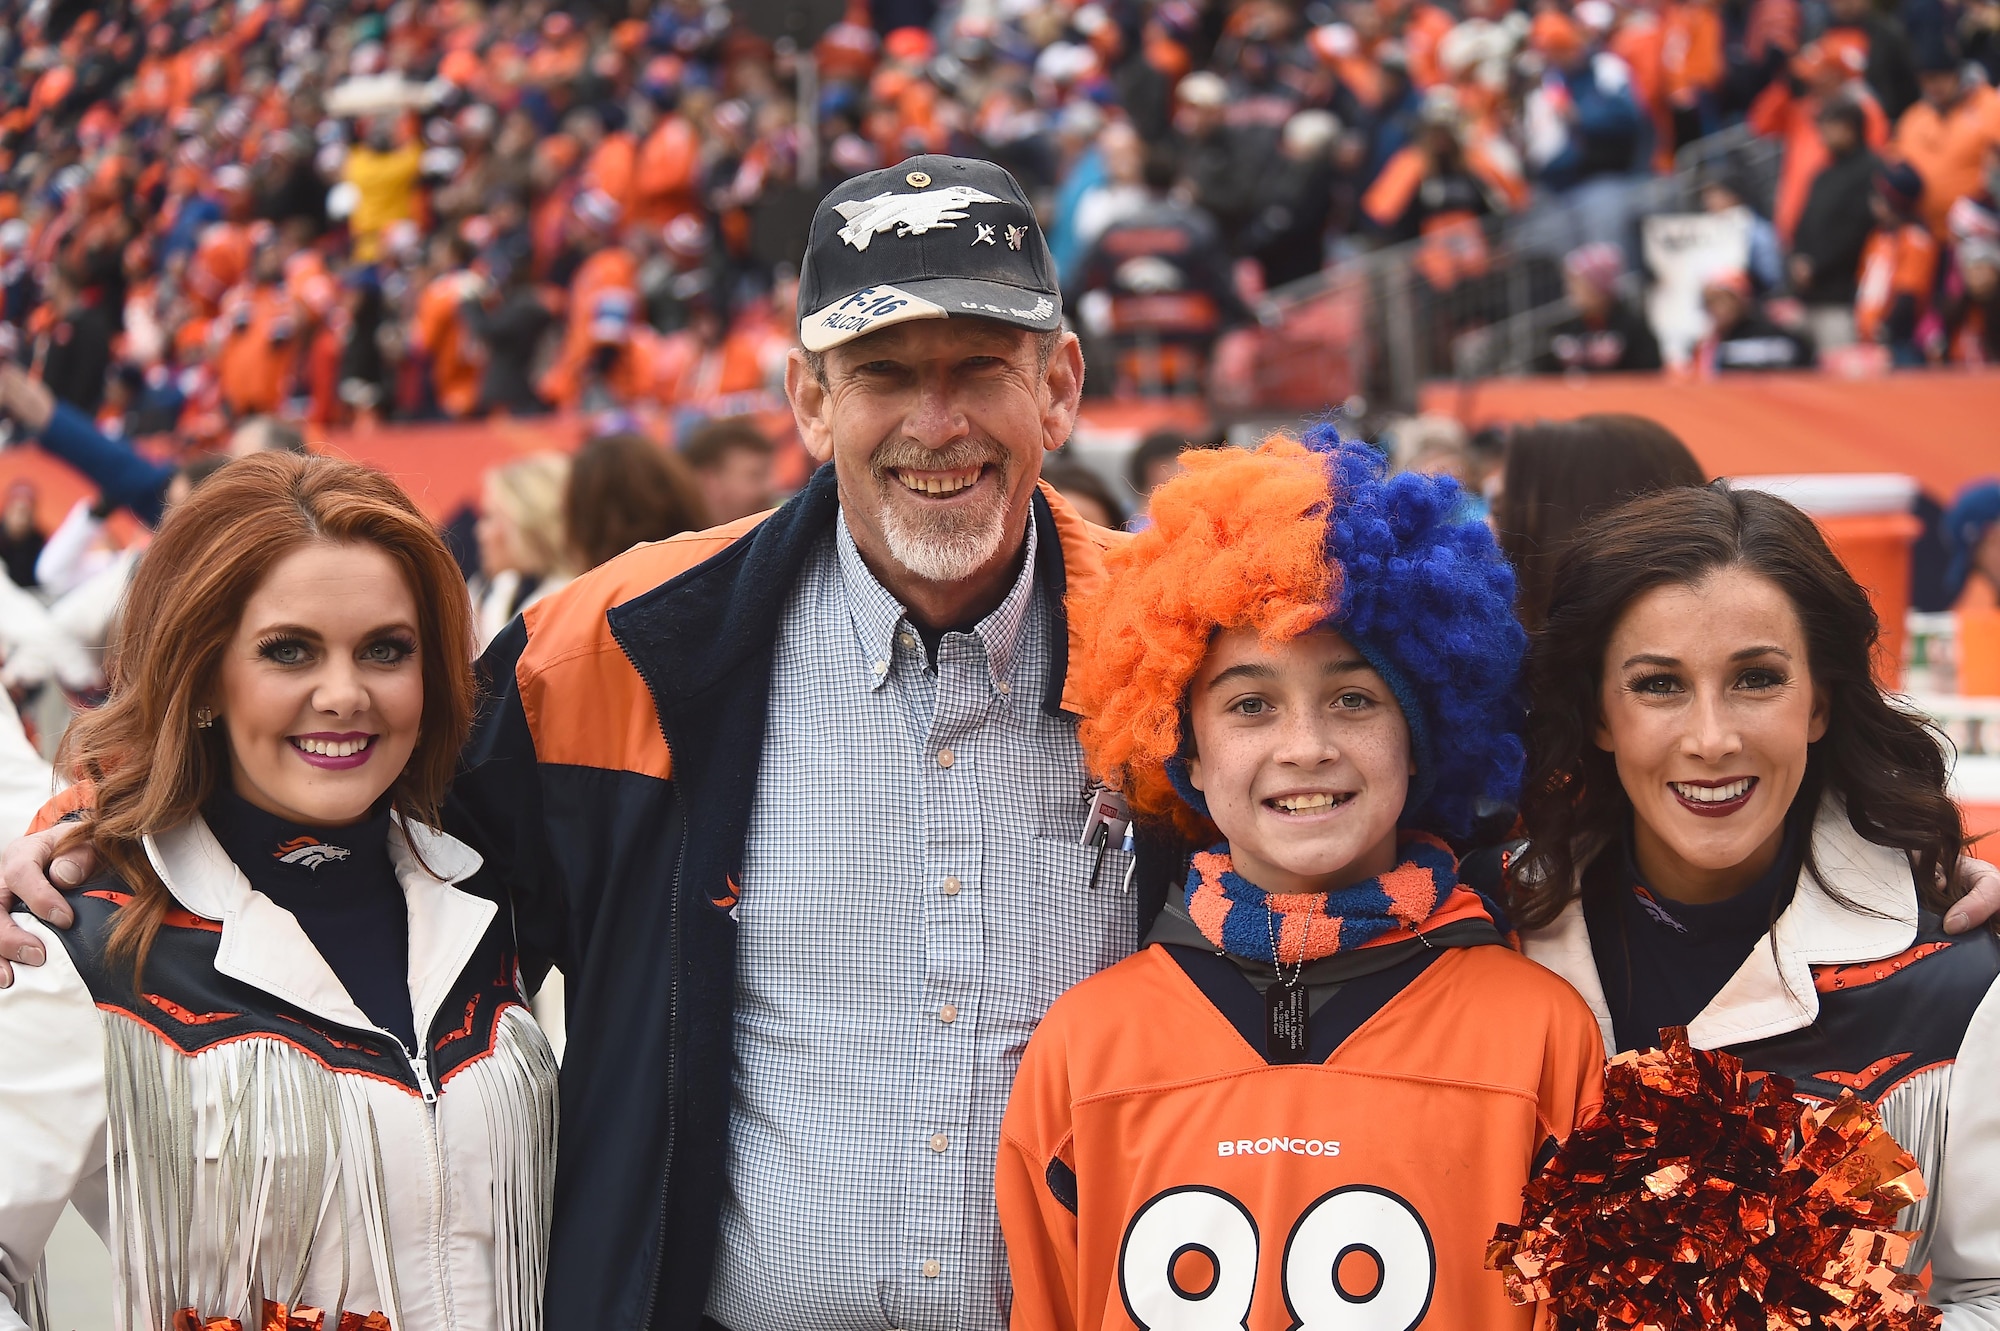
(877, 615)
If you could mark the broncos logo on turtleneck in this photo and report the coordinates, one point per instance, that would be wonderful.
(308, 852)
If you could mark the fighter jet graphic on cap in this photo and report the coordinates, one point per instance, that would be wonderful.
(910, 214)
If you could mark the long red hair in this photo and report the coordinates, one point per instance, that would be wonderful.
(151, 765)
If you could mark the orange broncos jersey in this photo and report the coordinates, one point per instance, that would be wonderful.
(1155, 1171)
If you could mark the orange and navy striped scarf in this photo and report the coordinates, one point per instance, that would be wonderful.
(1419, 894)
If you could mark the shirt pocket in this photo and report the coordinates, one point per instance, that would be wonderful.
(1069, 872)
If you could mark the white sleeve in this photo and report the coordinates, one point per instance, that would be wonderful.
(26, 781)
(56, 568)
(51, 1107)
(1965, 1232)
(33, 649)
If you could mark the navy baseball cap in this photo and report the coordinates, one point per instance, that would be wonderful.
(932, 237)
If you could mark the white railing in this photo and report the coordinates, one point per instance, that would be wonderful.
(1930, 678)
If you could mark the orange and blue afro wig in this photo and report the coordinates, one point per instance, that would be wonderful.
(1290, 538)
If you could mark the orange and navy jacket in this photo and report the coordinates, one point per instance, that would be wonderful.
(608, 784)
(1153, 1165)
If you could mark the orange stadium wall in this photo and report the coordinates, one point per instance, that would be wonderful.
(1940, 426)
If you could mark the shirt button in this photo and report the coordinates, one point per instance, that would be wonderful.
(1004, 687)
(933, 1269)
(951, 886)
(946, 758)
(940, 1143)
(881, 667)
(948, 1014)
(909, 641)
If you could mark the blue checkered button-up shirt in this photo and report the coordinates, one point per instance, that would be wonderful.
(913, 899)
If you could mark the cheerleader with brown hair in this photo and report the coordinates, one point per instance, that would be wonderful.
(280, 1061)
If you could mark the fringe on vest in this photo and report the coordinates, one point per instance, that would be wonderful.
(31, 1300)
(1914, 1113)
(524, 1180)
(223, 1205)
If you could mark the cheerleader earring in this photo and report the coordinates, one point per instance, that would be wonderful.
(204, 719)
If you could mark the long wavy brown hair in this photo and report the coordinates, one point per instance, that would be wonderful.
(1886, 765)
(151, 764)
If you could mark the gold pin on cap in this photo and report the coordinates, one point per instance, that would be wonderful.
(918, 179)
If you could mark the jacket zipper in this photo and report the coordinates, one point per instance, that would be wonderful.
(420, 1063)
(673, 1007)
(420, 1068)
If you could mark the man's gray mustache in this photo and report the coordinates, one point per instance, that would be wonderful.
(915, 457)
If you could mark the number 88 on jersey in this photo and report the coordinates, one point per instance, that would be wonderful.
(1359, 1258)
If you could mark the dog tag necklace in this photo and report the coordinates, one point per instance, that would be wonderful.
(1285, 1037)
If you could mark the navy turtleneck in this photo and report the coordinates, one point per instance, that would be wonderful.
(1663, 961)
(341, 886)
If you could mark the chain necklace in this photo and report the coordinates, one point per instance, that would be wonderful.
(1277, 961)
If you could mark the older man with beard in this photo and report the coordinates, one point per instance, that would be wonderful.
(796, 805)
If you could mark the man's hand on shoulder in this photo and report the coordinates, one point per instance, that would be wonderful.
(25, 880)
(1981, 900)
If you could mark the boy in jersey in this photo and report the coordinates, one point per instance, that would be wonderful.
(1305, 1105)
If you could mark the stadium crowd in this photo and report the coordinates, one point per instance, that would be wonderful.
(348, 211)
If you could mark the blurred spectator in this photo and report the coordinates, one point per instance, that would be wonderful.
(1834, 226)
(1434, 446)
(21, 538)
(259, 345)
(1979, 36)
(616, 361)
(1121, 193)
(1899, 266)
(1972, 314)
(1287, 236)
(1947, 135)
(75, 353)
(1722, 193)
(1220, 161)
(1079, 142)
(1741, 336)
(624, 489)
(524, 552)
(712, 360)
(1825, 80)
(1156, 291)
(363, 374)
(438, 330)
(1560, 473)
(1436, 189)
(1085, 490)
(382, 177)
(1972, 539)
(731, 460)
(1606, 334)
(1583, 121)
(1885, 51)
(508, 318)
(1156, 461)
